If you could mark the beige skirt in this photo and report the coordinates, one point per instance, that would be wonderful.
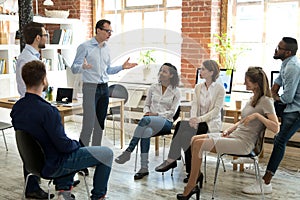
(230, 145)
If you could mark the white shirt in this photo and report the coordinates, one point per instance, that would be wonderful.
(207, 104)
(28, 54)
(165, 104)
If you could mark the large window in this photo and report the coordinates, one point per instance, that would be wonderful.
(258, 26)
(141, 25)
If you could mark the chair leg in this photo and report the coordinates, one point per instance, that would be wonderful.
(164, 138)
(49, 183)
(258, 178)
(216, 175)
(4, 140)
(224, 168)
(114, 130)
(86, 186)
(136, 155)
(25, 185)
(204, 167)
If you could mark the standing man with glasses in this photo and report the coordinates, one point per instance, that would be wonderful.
(92, 60)
(35, 37)
(290, 116)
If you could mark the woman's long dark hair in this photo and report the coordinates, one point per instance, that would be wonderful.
(174, 81)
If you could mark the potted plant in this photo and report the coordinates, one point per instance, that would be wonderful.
(146, 59)
(228, 53)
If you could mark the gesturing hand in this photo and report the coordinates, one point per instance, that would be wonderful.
(128, 65)
(85, 65)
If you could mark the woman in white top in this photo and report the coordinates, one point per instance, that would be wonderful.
(205, 116)
(258, 113)
(161, 104)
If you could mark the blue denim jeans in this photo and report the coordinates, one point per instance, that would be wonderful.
(95, 103)
(148, 126)
(290, 123)
(84, 157)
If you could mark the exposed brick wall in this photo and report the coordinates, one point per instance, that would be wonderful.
(200, 20)
(79, 9)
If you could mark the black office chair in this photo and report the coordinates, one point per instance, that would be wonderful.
(116, 91)
(4, 126)
(33, 159)
(254, 154)
(163, 134)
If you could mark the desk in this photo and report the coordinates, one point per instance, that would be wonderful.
(67, 111)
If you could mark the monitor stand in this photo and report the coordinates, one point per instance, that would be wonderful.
(227, 100)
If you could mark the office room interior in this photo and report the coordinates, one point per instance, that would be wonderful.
(181, 32)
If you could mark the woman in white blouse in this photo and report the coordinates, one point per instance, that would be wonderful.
(161, 104)
(205, 117)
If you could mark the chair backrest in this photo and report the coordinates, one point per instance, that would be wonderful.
(176, 115)
(260, 142)
(118, 91)
(31, 152)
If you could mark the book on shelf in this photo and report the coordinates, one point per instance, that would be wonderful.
(62, 36)
(57, 35)
(67, 37)
(15, 64)
(48, 63)
(2, 66)
(61, 65)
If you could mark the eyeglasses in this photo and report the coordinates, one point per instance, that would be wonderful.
(46, 35)
(280, 48)
(106, 30)
(202, 68)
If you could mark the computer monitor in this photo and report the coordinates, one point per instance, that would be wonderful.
(225, 78)
(274, 75)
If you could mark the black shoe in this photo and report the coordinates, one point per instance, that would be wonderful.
(195, 190)
(85, 171)
(141, 173)
(75, 183)
(199, 180)
(39, 194)
(165, 166)
(138, 176)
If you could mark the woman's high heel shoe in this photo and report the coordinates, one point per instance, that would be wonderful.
(195, 190)
(199, 180)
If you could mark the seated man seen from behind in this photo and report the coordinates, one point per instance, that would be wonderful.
(64, 156)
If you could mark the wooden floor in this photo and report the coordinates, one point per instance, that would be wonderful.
(122, 186)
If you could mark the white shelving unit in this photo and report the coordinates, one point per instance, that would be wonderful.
(56, 76)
